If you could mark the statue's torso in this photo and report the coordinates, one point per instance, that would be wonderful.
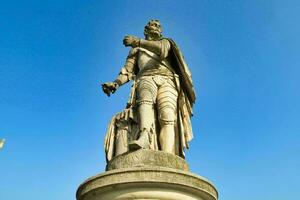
(150, 64)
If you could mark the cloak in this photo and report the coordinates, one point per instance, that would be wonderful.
(186, 99)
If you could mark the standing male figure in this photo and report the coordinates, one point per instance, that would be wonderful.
(163, 93)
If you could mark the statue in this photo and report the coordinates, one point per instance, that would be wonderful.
(145, 142)
(157, 115)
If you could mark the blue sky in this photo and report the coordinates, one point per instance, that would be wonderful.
(244, 56)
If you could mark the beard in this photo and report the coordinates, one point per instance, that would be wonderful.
(153, 33)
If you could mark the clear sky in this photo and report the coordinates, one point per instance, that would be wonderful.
(244, 57)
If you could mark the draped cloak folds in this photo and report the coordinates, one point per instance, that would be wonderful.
(183, 127)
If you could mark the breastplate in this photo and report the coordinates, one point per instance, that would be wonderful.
(145, 60)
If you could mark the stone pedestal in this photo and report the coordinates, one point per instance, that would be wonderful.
(147, 175)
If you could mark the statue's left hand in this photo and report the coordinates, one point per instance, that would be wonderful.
(131, 41)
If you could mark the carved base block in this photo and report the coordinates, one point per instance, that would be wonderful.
(147, 158)
(147, 183)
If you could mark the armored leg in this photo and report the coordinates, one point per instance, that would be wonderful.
(146, 94)
(167, 105)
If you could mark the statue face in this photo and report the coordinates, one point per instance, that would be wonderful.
(153, 30)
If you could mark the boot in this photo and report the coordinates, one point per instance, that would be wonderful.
(141, 143)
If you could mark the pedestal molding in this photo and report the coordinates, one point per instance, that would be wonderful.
(147, 175)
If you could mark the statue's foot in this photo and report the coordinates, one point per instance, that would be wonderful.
(141, 143)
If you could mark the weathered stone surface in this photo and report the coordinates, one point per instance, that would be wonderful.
(157, 183)
(147, 158)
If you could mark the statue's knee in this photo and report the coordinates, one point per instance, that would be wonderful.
(145, 98)
(167, 116)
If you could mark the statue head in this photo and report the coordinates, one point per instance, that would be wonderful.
(153, 30)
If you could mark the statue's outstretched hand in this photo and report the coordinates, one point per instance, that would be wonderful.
(131, 41)
(109, 87)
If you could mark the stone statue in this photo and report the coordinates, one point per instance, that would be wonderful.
(145, 142)
(157, 115)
